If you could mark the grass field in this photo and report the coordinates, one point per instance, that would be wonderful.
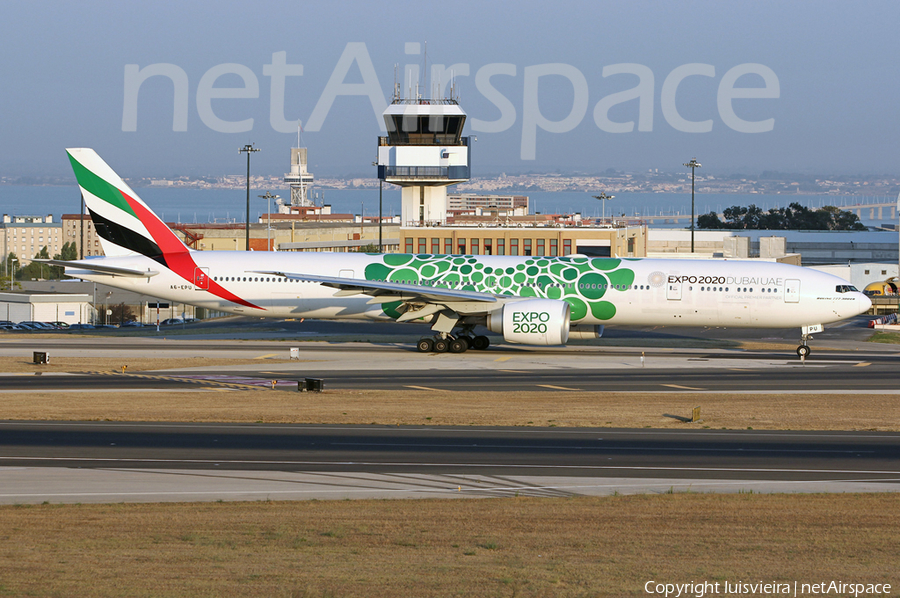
(496, 547)
(551, 408)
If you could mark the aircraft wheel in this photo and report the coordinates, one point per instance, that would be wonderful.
(425, 345)
(467, 340)
(481, 343)
(803, 351)
(441, 345)
(458, 345)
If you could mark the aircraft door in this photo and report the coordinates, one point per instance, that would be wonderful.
(673, 291)
(791, 291)
(201, 279)
(346, 274)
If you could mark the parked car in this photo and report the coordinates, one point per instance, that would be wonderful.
(81, 327)
(60, 325)
(171, 321)
(132, 324)
(37, 325)
(10, 327)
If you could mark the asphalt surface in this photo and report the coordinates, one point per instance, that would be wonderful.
(836, 375)
(582, 452)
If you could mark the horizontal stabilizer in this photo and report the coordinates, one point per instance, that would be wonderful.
(100, 268)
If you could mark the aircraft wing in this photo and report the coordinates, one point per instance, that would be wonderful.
(384, 292)
(90, 266)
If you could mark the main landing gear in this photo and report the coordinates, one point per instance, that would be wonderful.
(444, 342)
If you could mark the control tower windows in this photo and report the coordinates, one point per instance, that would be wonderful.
(426, 130)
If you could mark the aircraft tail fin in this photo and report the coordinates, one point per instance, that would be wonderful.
(124, 223)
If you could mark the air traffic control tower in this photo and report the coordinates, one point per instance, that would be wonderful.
(423, 153)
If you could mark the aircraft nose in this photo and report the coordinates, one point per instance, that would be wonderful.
(863, 303)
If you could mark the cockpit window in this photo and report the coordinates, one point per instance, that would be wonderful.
(845, 288)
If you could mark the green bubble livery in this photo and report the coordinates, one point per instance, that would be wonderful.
(584, 283)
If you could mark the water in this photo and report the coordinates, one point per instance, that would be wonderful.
(228, 205)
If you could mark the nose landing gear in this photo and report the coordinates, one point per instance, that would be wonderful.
(806, 333)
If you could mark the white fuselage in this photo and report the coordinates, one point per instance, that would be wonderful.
(641, 291)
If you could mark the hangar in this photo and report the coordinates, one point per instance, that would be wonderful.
(21, 306)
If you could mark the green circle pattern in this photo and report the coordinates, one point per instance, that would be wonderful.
(582, 282)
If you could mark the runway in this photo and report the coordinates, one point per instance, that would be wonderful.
(859, 367)
(108, 461)
(851, 376)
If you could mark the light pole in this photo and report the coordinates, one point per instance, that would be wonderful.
(270, 197)
(380, 188)
(247, 149)
(380, 246)
(12, 276)
(603, 197)
(693, 164)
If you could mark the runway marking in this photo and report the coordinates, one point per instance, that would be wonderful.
(451, 429)
(424, 388)
(514, 371)
(682, 387)
(266, 356)
(200, 381)
(740, 370)
(523, 486)
(507, 358)
(604, 448)
(457, 465)
(862, 364)
(557, 387)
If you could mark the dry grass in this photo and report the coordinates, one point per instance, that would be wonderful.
(500, 547)
(552, 408)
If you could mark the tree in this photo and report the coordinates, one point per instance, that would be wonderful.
(9, 264)
(69, 252)
(792, 217)
(35, 270)
(844, 219)
(121, 313)
(710, 221)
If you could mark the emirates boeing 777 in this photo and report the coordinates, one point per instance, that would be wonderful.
(532, 300)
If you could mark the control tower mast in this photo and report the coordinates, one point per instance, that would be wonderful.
(423, 152)
(299, 178)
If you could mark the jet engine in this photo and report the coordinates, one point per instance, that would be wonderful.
(532, 322)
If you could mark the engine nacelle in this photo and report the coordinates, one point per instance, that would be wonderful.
(585, 332)
(532, 322)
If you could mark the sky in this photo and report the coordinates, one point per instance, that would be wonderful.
(164, 89)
